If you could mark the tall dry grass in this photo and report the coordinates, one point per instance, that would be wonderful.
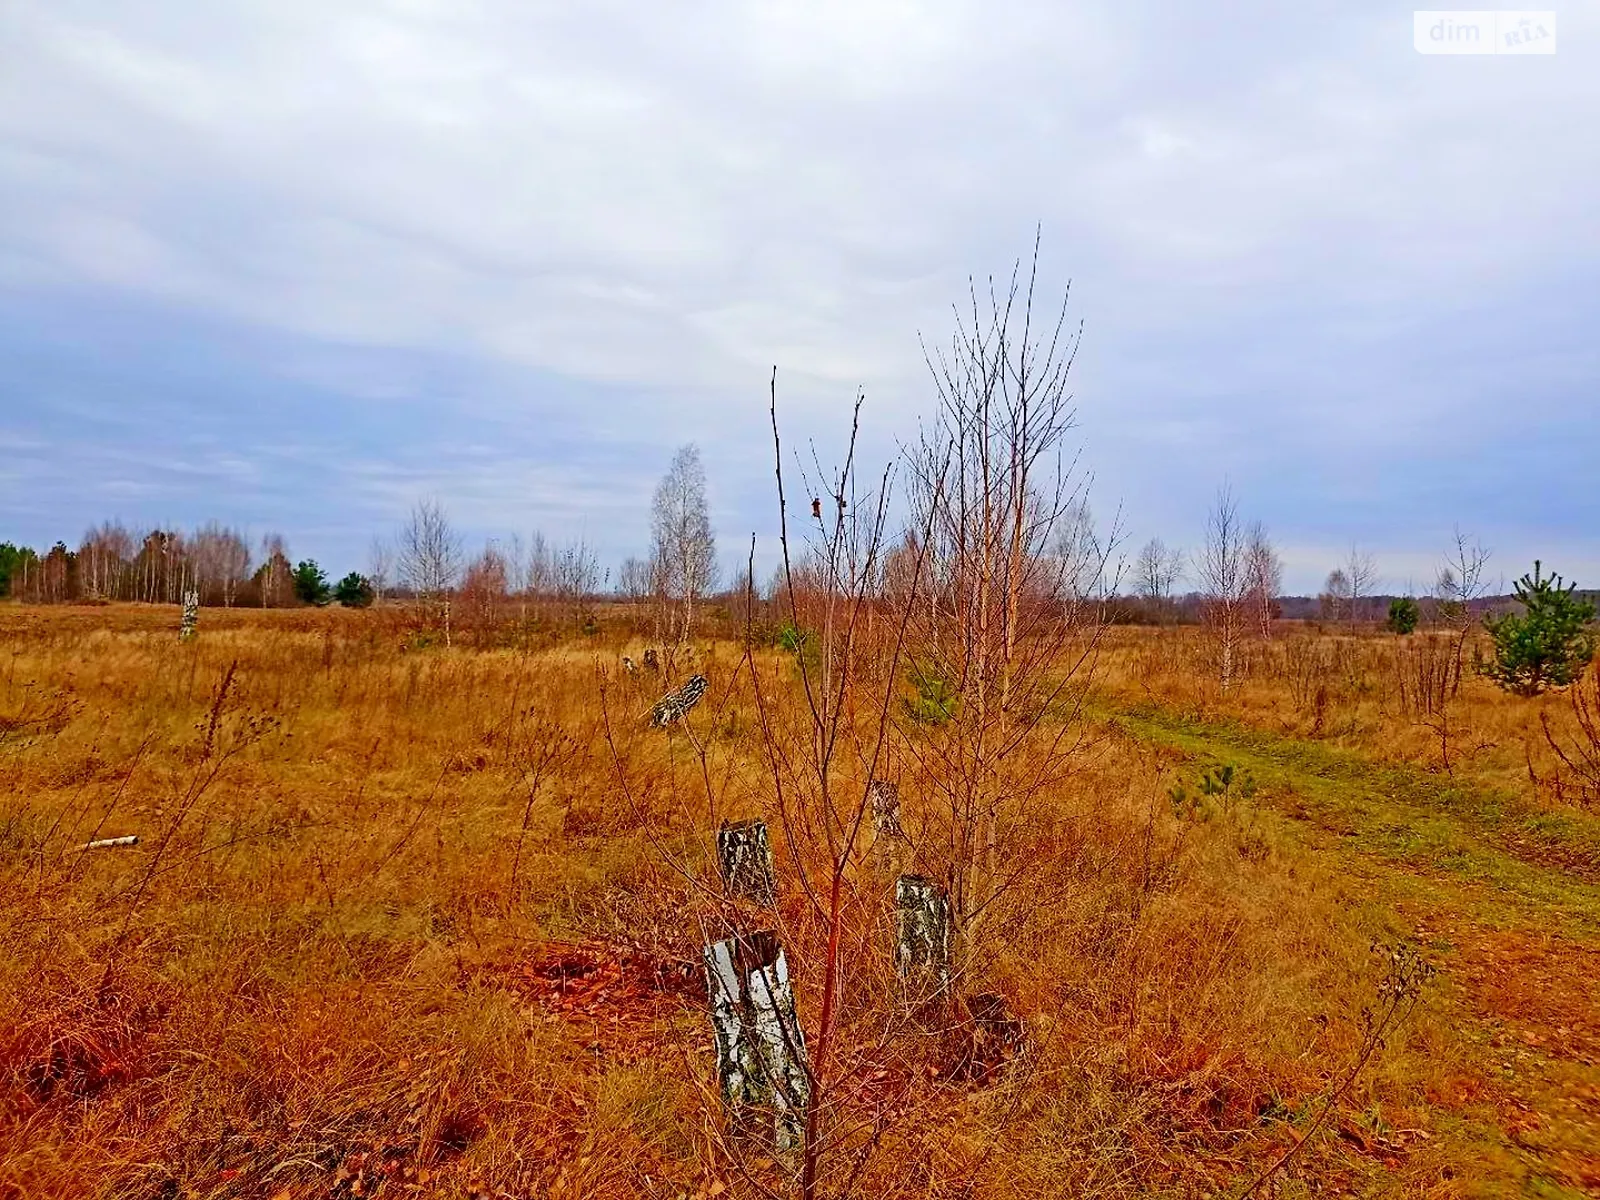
(320, 971)
(1400, 699)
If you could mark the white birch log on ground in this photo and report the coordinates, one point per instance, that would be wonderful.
(674, 706)
(131, 839)
(922, 932)
(761, 1051)
(744, 854)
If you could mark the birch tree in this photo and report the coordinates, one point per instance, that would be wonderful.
(1264, 577)
(430, 559)
(1361, 571)
(380, 566)
(1224, 581)
(1156, 571)
(683, 549)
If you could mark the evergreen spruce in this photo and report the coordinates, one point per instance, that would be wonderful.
(1548, 644)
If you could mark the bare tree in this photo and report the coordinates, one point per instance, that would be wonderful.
(380, 566)
(1264, 571)
(483, 593)
(1156, 571)
(1335, 597)
(430, 559)
(273, 576)
(105, 561)
(1462, 581)
(633, 579)
(221, 562)
(576, 574)
(1361, 570)
(1011, 619)
(683, 549)
(539, 577)
(1077, 546)
(1224, 580)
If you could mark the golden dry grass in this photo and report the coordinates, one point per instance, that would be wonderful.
(360, 951)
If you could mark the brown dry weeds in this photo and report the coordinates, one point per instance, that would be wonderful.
(398, 931)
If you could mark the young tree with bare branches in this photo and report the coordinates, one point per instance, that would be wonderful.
(575, 572)
(1335, 596)
(105, 560)
(683, 549)
(1361, 572)
(1224, 576)
(1012, 617)
(430, 560)
(1156, 571)
(1264, 577)
(1462, 581)
(275, 576)
(380, 566)
(221, 560)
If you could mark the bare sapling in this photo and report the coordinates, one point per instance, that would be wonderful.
(1225, 583)
(823, 773)
(1264, 578)
(1579, 754)
(1002, 642)
(430, 562)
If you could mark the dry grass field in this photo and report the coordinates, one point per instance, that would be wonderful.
(409, 920)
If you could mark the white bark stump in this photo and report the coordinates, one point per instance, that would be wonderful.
(922, 933)
(761, 1051)
(885, 798)
(744, 855)
(191, 616)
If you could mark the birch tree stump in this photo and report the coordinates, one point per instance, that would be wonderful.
(761, 1051)
(922, 932)
(885, 798)
(191, 615)
(744, 855)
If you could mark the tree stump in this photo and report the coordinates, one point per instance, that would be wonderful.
(744, 855)
(996, 1037)
(922, 933)
(761, 1052)
(884, 796)
(191, 615)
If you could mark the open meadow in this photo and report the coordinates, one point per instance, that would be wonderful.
(408, 919)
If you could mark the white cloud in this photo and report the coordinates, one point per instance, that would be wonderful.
(1258, 205)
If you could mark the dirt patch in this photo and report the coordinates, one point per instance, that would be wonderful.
(1540, 986)
(622, 995)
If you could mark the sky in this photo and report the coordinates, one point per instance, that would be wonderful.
(294, 266)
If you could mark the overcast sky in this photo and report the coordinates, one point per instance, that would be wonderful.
(293, 264)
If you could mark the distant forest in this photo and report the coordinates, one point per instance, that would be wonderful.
(113, 563)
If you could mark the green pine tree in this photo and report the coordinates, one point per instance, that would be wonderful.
(353, 591)
(1548, 644)
(310, 584)
(1403, 615)
(12, 560)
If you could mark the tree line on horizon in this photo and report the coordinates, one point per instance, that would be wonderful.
(114, 562)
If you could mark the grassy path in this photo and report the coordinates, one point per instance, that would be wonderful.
(1507, 902)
